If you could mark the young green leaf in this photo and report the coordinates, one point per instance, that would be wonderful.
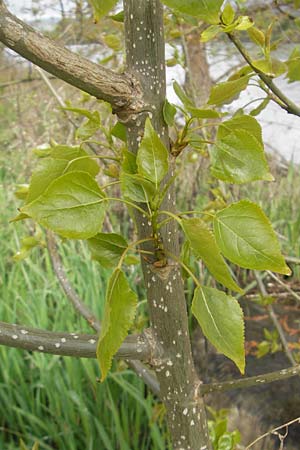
(182, 95)
(228, 14)
(293, 64)
(73, 206)
(169, 112)
(204, 246)
(239, 158)
(210, 33)
(107, 248)
(228, 91)
(245, 236)
(102, 8)
(245, 123)
(119, 131)
(60, 159)
(221, 319)
(203, 113)
(120, 307)
(137, 188)
(206, 10)
(152, 157)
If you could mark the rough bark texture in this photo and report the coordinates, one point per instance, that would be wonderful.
(118, 89)
(175, 369)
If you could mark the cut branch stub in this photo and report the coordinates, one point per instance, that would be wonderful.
(120, 90)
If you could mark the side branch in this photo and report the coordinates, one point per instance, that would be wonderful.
(68, 344)
(120, 90)
(279, 96)
(250, 381)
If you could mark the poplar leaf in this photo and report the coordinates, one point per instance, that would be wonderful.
(228, 91)
(152, 156)
(246, 237)
(60, 159)
(206, 10)
(102, 7)
(119, 313)
(204, 246)
(107, 248)
(182, 95)
(169, 112)
(73, 206)
(293, 64)
(221, 319)
(244, 122)
(239, 158)
(137, 188)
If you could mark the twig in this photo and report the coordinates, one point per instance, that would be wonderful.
(275, 321)
(283, 100)
(250, 381)
(285, 425)
(286, 287)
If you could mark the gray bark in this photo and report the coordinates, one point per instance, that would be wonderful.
(175, 370)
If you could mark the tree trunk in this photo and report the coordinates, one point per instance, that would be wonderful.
(175, 370)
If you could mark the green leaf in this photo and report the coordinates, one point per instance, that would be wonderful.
(137, 188)
(27, 244)
(228, 91)
(206, 10)
(102, 7)
(88, 128)
(293, 64)
(119, 313)
(257, 36)
(239, 158)
(245, 236)
(221, 319)
(245, 123)
(119, 17)
(210, 33)
(271, 67)
(228, 14)
(169, 112)
(73, 206)
(243, 23)
(119, 131)
(256, 111)
(107, 248)
(204, 246)
(203, 113)
(182, 95)
(152, 156)
(129, 162)
(113, 41)
(61, 159)
(22, 191)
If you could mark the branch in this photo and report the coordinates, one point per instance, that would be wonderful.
(285, 286)
(275, 432)
(68, 344)
(119, 90)
(280, 97)
(67, 288)
(250, 381)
